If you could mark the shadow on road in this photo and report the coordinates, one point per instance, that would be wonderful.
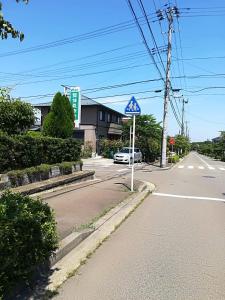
(36, 288)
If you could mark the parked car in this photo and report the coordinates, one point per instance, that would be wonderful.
(125, 155)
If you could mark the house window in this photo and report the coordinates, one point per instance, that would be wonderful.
(109, 117)
(113, 119)
(101, 115)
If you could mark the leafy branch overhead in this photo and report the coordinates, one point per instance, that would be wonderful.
(6, 28)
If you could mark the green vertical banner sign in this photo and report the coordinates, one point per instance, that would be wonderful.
(75, 101)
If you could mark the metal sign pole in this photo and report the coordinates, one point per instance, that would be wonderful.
(130, 144)
(133, 109)
(132, 170)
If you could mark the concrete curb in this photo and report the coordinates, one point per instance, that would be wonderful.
(102, 229)
(48, 184)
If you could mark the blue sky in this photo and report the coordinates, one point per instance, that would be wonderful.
(44, 71)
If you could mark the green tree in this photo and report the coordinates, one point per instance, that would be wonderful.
(6, 28)
(148, 136)
(59, 122)
(182, 144)
(16, 116)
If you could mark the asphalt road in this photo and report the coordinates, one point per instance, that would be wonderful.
(171, 247)
(105, 168)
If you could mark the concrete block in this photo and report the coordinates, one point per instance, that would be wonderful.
(55, 171)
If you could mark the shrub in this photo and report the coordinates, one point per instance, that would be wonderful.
(16, 116)
(27, 238)
(34, 133)
(66, 167)
(110, 147)
(87, 150)
(38, 173)
(174, 159)
(16, 177)
(24, 151)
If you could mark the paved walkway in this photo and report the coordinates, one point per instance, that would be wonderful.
(79, 207)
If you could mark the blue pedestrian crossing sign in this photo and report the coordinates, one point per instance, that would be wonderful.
(132, 107)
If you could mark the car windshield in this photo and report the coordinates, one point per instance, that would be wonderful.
(125, 150)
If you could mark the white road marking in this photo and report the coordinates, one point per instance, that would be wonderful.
(188, 197)
(180, 167)
(222, 169)
(211, 168)
(121, 170)
(201, 167)
(190, 167)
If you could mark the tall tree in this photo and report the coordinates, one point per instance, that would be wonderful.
(16, 116)
(59, 122)
(6, 28)
(182, 144)
(148, 135)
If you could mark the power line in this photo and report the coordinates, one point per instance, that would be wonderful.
(96, 89)
(143, 37)
(151, 32)
(206, 88)
(202, 76)
(83, 74)
(81, 58)
(77, 38)
(112, 60)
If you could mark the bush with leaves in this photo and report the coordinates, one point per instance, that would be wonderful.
(16, 116)
(173, 159)
(24, 151)
(27, 238)
(59, 121)
(87, 150)
(110, 147)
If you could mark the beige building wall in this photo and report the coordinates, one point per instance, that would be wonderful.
(89, 135)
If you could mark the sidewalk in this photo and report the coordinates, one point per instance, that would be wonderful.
(78, 208)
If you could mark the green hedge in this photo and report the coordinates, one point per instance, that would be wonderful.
(23, 151)
(38, 173)
(27, 238)
(174, 159)
(110, 147)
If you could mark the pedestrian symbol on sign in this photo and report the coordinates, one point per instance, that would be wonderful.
(132, 107)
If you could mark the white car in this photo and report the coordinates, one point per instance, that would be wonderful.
(125, 155)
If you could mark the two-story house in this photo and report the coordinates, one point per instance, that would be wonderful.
(97, 121)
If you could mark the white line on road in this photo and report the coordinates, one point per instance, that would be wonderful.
(201, 167)
(188, 197)
(222, 169)
(180, 167)
(121, 170)
(190, 167)
(210, 167)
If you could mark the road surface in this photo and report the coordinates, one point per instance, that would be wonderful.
(171, 247)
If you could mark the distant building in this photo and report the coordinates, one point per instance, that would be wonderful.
(97, 122)
(216, 139)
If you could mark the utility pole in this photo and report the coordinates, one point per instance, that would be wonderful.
(169, 15)
(182, 121)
